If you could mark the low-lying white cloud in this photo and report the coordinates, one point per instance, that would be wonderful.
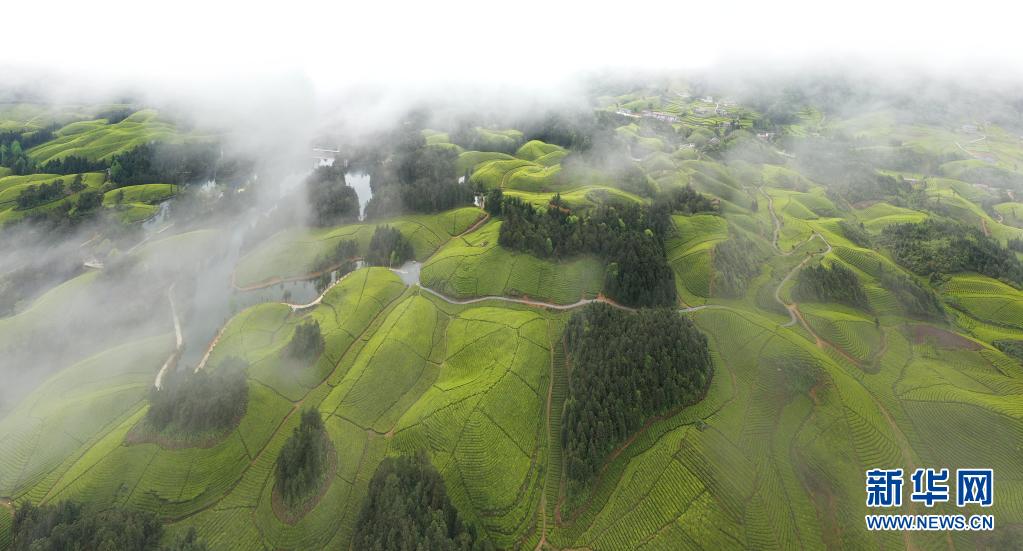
(529, 43)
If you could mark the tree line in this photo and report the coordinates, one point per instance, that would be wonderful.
(345, 250)
(408, 508)
(625, 368)
(1010, 347)
(34, 195)
(72, 164)
(938, 247)
(69, 525)
(165, 163)
(630, 238)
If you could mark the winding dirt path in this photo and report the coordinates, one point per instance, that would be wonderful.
(774, 217)
(209, 349)
(179, 340)
(477, 225)
(796, 317)
(968, 152)
(148, 237)
(527, 301)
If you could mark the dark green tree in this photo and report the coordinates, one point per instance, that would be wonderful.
(408, 508)
(301, 465)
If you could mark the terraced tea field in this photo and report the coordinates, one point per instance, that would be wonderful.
(98, 140)
(464, 357)
(532, 169)
(476, 266)
(292, 254)
(12, 186)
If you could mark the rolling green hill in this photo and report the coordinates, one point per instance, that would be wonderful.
(99, 141)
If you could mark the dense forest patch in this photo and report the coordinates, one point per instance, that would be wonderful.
(835, 284)
(307, 342)
(856, 233)
(416, 177)
(167, 163)
(629, 237)
(859, 186)
(918, 301)
(932, 247)
(686, 200)
(304, 468)
(408, 508)
(626, 368)
(332, 201)
(388, 247)
(69, 525)
(736, 262)
(194, 408)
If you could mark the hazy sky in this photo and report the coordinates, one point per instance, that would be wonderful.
(335, 43)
